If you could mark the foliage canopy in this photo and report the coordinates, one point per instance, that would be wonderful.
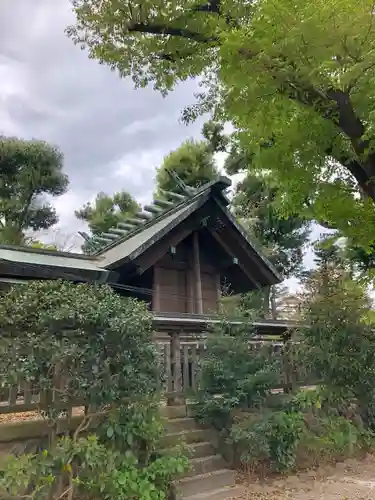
(78, 328)
(107, 211)
(339, 344)
(295, 78)
(29, 170)
(193, 162)
(103, 347)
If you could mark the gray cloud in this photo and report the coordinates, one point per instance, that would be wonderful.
(112, 136)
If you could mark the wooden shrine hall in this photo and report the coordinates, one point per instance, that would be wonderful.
(177, 254)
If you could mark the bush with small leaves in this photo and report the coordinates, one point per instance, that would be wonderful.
(86, 468)
(232, 376)
(87, 344)
(99, 344)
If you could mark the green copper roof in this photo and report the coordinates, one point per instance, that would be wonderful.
(25, 255)
(130, 247)
(69, 266)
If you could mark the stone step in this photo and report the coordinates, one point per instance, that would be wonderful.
(171, 412)
(219, 494)
(203, 465)
(199, 450)
(196, 450)
(180, 424)
(203, 483)
(188, 437)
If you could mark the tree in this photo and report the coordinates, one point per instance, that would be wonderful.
(295, 78)
(282, 239)
(29, 170)
(85, 343)
(339, 344)
(78, 327)
(194, 160)
(56, 239)
(107, 211)
(231, 376)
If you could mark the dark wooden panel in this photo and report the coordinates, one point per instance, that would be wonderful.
(172, 285)
(209, 293)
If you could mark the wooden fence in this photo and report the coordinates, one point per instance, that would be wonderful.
(180, 357)
(181, 363)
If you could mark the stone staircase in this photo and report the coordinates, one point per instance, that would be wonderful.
(209, 477)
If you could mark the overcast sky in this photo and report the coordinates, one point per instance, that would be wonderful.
(111, 135)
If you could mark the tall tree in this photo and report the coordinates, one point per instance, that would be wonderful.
(282, 239)
(295, 78)
(29, 170)
(107, 211)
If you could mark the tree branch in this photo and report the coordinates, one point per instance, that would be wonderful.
(25, 210)
(211, 6)
(332, 104)
(364, 174)
(160, 29)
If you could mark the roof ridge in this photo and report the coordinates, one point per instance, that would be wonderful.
(149, 221)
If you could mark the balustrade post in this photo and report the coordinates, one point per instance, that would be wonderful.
(177, 369)
(288, 366)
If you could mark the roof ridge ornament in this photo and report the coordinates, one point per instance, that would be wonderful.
(148, 213)
(187, 190)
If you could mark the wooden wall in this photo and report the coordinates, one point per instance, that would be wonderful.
(177, 279)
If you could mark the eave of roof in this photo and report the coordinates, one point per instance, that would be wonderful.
(202, 322)
(69, 265)
(252, 244)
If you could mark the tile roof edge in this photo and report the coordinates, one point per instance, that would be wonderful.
(225, 181)
(47, 251)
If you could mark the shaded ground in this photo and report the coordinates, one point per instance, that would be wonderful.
(350, 480)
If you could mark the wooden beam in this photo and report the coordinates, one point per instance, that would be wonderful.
(197, 275)
(190, 292)
(154, 254)
(221, 242)
(156, 290)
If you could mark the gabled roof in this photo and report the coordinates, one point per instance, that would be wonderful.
(133, 238)
(142, 237)
(137, 241)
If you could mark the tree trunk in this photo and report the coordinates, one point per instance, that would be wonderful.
(363, 172)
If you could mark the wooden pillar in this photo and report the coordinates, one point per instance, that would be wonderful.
(288, 366)
(177, 371)
(218, 291)
(156, 290)
(197, 275)
(190, 288)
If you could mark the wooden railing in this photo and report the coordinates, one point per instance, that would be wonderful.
(180, 353)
